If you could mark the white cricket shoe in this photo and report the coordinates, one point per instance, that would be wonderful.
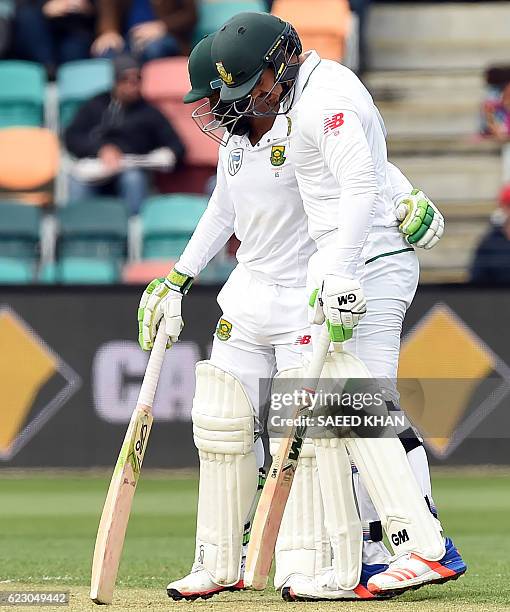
(321, 587)
(410, 571)
(198, 584)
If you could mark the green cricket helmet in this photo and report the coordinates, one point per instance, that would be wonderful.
(202, 72)
(249, 43)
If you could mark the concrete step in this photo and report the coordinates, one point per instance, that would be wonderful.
(425, 103)
(447, 35)
(429, 144)
(453, 178)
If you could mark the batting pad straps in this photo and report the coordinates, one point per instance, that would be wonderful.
(223, 430)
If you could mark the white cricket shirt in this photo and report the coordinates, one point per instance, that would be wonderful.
(257, 198)
(339, 151)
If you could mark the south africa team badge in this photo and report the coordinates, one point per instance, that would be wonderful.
(223, 330)
(235, 161)
(278, 155)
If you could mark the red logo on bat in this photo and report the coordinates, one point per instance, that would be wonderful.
(333, 122)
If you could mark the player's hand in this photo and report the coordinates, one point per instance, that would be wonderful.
(162, 298)
(341, 303)
(422, 222)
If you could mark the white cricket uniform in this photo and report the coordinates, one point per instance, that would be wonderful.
(264, 302)
(349, 191)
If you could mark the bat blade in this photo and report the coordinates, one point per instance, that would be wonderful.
(276, 491)
(117, 507)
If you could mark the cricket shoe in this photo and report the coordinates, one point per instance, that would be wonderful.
(324, 587)
(198, 584)
(410, 571)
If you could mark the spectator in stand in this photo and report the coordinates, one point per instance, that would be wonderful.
(496, 115)
(6, 15)
(150, 29)
(491, 264)
(116, 137)
(53, 32)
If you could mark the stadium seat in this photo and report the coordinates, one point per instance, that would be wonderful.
(95, 228)
(15, 271)
(78, 81)
(322, 25)
(29, 159)
(168, 222)
(21, 93)
(142, 272)
(212, 14)
(19, 231)
(85, 271)
(165, 82)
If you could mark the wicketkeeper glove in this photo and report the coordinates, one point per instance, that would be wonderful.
(422, 222)
(340, 303)
(162, 297)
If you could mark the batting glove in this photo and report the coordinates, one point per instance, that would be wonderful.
(162, 298)
(422, 222)
(340, 303)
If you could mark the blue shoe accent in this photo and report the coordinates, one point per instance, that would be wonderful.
(452, 559)
(369, 570)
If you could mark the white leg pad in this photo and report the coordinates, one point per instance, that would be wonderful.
(384, 469)
(342, 520)
(223, 430)
(303, 543)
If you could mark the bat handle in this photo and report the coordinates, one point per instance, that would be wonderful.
(320, 352)
(150, 380)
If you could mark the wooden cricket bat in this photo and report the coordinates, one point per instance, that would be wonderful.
(117, 507)
(269, 513)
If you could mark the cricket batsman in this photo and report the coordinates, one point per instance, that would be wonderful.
(338, 148)
(309, 549)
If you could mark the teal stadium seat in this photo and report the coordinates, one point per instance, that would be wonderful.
(95, 228)
(168, 222)
(21, 93)
(78, 81)
(15, 271)
(213, 14)
(85, 271)
(19, 231)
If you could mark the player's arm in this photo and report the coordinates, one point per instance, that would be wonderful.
(421, 221)
(163, 296)
(340, 137)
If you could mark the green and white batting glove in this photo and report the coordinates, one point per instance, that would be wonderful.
(340, 302)
(162, 298)
(422, 222)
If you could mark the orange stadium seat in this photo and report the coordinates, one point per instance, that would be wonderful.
(29, 160)
(164, 84)
(141, 272)
(322, 25)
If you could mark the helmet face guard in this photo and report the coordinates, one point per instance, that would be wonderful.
(219, 119)
(283, 57)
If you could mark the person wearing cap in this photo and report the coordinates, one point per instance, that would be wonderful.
(116, 124)
(256, 181)
(491, 262)
(366, 262)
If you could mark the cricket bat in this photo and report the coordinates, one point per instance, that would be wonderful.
(117, 507)
(269, 513)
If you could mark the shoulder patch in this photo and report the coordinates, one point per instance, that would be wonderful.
(333, 122)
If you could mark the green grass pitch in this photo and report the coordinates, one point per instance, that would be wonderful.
(48, 524)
